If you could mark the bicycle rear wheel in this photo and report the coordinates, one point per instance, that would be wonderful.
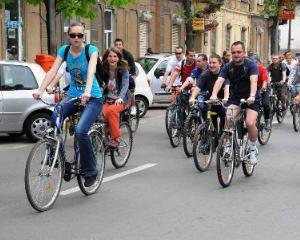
(264, 129)
(202, 148)
(120, 155)
(99, 153)
(189, 130)
(296, 117)
(175, 131)
(43, 186)
(225, 159)
(134, 114)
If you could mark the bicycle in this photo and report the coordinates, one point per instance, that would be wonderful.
(277, 106)
(47, 165)
(178, 115)
(233, 148)
(170, 108)
(119, 155)
(132, 116)
(295, 109)
(206, 140)
(193, 120)
(264, 128)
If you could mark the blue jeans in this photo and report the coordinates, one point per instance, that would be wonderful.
(88, 116)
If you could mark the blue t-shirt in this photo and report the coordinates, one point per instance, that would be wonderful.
(239, 77)
(197, 72)
(78, 68)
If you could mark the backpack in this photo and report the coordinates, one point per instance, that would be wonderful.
(99, 66)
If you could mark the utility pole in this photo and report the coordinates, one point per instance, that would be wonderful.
(51, 26)
(289, 35)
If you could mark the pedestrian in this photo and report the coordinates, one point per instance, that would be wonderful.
(149, 51)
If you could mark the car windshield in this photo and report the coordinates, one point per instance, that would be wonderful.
(147, 63)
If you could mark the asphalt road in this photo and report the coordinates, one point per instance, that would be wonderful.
(161, 195)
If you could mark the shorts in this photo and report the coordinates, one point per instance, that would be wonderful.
(295, 89)
(236, 101)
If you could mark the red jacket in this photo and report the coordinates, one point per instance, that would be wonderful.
(262, 76)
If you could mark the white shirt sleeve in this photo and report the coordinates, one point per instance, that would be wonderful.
(62, 68)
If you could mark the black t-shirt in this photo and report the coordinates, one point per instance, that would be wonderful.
(206, 82)
(276, 71)
(239, 77)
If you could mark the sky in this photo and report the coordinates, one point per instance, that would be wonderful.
(295, 33)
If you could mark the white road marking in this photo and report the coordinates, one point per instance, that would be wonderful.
(113, 177)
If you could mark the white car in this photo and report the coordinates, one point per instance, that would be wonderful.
(19, 112)
(155, 66)
(143, 94)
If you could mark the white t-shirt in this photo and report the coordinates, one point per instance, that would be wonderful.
(172, 63)
(65, 79)
(290, 66)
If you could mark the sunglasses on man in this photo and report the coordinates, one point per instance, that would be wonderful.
(74, 35)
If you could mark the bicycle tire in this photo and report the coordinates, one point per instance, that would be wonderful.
(262, 129)
(174, 133)
(117, 158)
(167, 117)
(134, 118)
(189, 130)
(248, 169)
(296, 118)
(226, 138)
(200, 148)
(99, 153)
(280, 113)
(46, 146)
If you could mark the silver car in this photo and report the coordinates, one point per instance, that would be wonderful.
(19, 112)
(155, 66)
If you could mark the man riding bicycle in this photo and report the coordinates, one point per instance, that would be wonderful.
(242, 75)
(83, 84)
(294, 81)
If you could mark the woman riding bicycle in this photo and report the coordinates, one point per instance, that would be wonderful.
(116, 79)
(83, 84)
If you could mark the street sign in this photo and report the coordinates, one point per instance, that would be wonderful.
(198, 24)
(12, 24)
(287, 10)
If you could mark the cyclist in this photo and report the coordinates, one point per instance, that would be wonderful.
(201, 66)
(116, 78)
(205, 83)
(82, 84)
(294, 81)
(289, 62)
(183, 69)
(277, 74)
(173, 62)
(226, 58)
(262, 85)
(242, 75)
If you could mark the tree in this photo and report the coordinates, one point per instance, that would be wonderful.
(70, 9)
(199, 9)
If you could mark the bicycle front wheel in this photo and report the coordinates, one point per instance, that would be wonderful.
(175, 130)
(189, 130)
(264, 129)
(99, 153)
(202, 148)
(248, 168)
(168, 115)
(296, 117)
(280, 112)
(225, 159)
(134, 114)
(120, 155)
(41, 184)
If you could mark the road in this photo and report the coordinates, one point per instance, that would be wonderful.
(161, 195)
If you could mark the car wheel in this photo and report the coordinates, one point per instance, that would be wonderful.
(143, 105)
(36, 125)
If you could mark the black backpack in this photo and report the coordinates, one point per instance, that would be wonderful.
(99, 66)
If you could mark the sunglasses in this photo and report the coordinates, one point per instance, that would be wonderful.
(237, 52)
(178, 53)
(74, 35)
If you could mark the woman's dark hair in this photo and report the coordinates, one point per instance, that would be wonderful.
(75, 24)
(122, 66)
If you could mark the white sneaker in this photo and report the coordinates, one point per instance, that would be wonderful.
(253, 156)
(133, 110)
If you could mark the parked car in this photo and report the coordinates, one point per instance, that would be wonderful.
(155, 66)
(143, 94)
(19, 112)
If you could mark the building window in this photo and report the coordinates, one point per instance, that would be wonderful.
(243, 34)
(228, 36)
(108, 28)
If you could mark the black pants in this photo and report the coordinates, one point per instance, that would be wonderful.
(265, 101)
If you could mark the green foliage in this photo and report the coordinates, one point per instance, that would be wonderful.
(270, 8)
(82, 8)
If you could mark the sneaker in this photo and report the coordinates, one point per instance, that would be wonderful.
(133, 110)
(253, 156)
(113, 143)
(89, 181)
